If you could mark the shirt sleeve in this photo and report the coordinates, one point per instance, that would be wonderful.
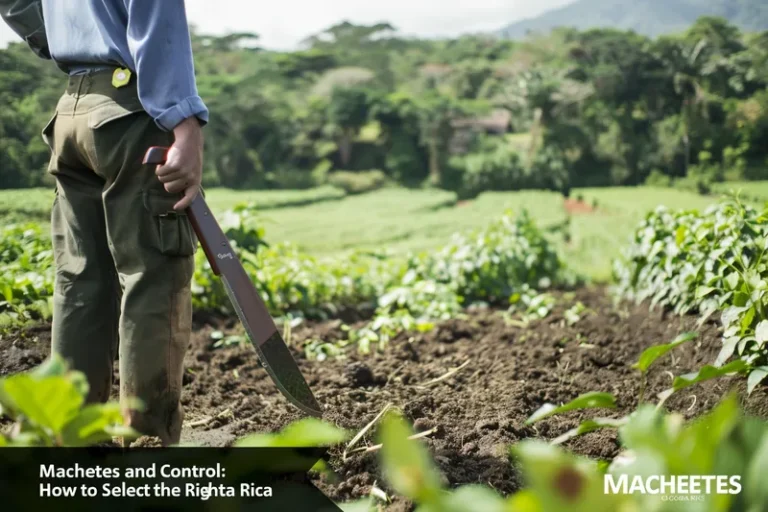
(159, 42)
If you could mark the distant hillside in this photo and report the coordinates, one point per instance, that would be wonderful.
(650, 17)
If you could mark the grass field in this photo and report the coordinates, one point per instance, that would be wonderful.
(325, 222)
(750, 190)
(35, 203)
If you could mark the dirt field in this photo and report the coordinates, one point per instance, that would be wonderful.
(478, 412)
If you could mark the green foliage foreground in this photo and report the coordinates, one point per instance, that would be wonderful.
(724, 442)
(724, 447)
(48, 408)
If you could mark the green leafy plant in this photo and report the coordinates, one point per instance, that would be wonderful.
(47, 406)
(704, 373)
(655, 443)
(586, 401)
(707, 262)
(410, 471)
(305, 433)
(26, 274)
(652, 354)
(507, 262)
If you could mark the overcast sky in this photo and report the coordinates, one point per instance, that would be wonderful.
(282, 24)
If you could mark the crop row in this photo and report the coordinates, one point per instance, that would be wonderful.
(709, 262)
(508, 260)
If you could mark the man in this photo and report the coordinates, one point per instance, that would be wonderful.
(124, 249)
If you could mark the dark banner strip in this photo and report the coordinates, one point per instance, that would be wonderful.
(195, 479)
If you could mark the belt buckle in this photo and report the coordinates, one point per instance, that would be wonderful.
(121, 77)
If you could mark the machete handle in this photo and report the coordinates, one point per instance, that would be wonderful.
(196, 211)
(155, 155)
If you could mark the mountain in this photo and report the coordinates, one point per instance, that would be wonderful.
(650, 17)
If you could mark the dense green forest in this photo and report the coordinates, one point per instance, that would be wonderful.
(361, 106)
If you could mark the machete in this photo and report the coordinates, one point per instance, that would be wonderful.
(249, 306)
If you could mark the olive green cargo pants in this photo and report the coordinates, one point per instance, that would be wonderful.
(124, 259)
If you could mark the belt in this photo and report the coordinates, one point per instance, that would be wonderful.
(83, 70)
(98, 81)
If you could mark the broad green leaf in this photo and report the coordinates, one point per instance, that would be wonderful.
(697, 448)
(680, 234)
(364, 505)
(761, 331)
(754, 480)
(472, 498)
(756, 376)
(588, 426)
(746, 320)
(740, 300)
(729, 346)
(26, 439)
(703, 291)
(305, 433)
(708, 372)
(524, 501)
(732, 280)
(95, 424)
(561, 481)
(122, 431)
(648, 427)
(79, 381)
(49, 402)
(53, 366)
(586, 401)
(407, 464)
(650, 355)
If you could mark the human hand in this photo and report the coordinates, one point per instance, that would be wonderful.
(183, 168)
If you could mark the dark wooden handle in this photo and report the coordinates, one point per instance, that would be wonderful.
(212, 239)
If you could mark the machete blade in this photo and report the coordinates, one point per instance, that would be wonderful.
(276, 358)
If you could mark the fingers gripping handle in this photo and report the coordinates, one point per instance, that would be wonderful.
(199, 214)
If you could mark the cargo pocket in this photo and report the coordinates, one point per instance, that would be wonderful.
(111, 111)
(174, 235)
(113, 128)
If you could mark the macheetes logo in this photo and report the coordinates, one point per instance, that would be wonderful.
(672, 484)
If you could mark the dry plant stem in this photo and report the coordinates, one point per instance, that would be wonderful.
(365, 429)
(395, 372)
(376, 447)
(206, 421)
(447, 375)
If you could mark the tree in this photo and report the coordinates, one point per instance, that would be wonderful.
(348, 112)
(435, 111)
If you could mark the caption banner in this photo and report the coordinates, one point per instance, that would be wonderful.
(266, 479)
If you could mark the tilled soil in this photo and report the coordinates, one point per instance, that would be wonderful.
(507, 372)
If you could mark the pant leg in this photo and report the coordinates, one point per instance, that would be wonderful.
(86, 294)
(153, 249)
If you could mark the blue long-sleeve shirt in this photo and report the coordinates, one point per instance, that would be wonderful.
(149, 37)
